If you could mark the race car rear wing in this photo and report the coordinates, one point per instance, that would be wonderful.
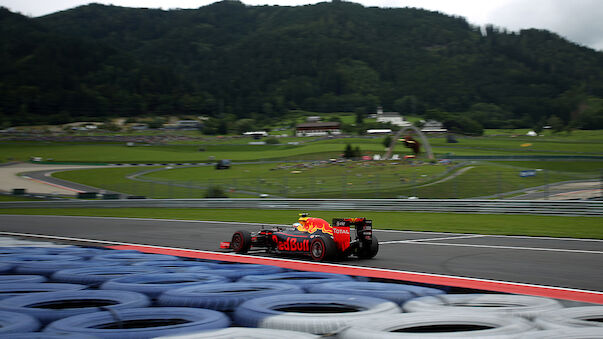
(364, 227)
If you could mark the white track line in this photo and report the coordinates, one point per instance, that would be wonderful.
(431, 239)
(490, 246)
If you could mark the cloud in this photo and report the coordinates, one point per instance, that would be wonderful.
(577, 20)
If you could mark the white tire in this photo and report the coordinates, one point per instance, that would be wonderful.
(437, 325)
(585, 316)
(502, 304)
(566, 333)
(243, 332)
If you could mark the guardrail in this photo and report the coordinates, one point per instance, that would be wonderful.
(540, 207)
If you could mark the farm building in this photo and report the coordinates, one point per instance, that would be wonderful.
(317, 129)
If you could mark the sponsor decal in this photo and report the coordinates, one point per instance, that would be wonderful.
(341, 231)
(291, 244)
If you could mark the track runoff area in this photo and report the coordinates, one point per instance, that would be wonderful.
(302, 265)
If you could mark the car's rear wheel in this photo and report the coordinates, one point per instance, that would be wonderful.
(322, 248)
(241, 241)
(370, 251)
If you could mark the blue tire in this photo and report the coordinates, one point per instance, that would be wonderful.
(398, 293)
(37, 258)
(16, 289)
(11, 322)
(97, 275)
(42, 335)
(224, 297)
(303, 279)
(50, 306)
(49, 268)
(5, 267)
(175, 266)
(137, 323)
(84, 252)
(312, 313)
(21, 278)
(155, 284)
(131, 258)
(5, 251)
(235, 272)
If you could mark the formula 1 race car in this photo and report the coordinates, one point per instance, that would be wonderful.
(311, 236)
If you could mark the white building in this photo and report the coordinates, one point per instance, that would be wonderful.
(433, 126)
(393, 118)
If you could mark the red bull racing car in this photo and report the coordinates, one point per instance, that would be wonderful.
(313, 237)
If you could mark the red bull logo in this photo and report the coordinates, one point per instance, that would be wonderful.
(312, 225)
(291, 244)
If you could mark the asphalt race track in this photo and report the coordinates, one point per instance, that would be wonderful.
(555, 262)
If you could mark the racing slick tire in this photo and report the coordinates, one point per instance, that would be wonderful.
(437, 325)
(50, 306)
(147, 322)
(369, 252)
(224, 297)
(244, 332)
(583, 316)
(322, 248)
(501, 304)
(13, 322)
(241, 241)
(312, 313)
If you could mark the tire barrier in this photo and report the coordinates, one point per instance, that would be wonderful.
(41, 335)
(97, 275)
(312, 313)
(16, 289)
(5, 267)
(131, 258)
(22, 251)
(50, 267)
(566, 333)
(518, 305)
(303, 279)
(245, 332)
(175, 266)
(11, 322)
(235, 272)
(224, 297)
(437, 325)
(21, 278)
(84, 252)
(398, 293)
(155, 284)
(50, 306)
(584, 316)
(141, 322)
(21, 259)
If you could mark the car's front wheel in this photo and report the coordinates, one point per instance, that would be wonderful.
(241, 241)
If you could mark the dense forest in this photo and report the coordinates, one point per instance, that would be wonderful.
(97, 61)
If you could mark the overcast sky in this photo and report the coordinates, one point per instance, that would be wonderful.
(577, 20)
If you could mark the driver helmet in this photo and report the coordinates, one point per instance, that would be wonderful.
(298, 226)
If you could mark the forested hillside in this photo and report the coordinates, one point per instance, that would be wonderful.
(100, 61)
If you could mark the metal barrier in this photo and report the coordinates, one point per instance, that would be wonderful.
(540, 207)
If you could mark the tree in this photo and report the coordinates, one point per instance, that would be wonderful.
(556, 124)
(387, 141)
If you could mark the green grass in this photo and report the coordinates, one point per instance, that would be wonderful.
(580, 142)
(499, 224)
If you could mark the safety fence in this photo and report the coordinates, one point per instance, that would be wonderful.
(540, 207)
